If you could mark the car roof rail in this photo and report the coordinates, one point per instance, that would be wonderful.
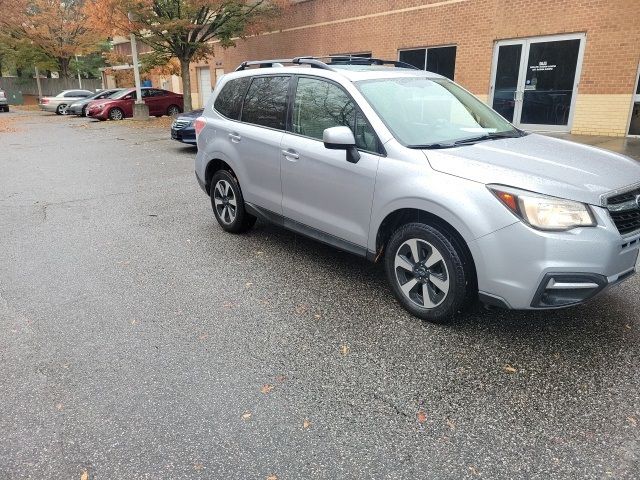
(316, 62)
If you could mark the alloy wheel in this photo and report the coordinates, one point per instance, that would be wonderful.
(115, 114)
(421, 273)
(225, 203)
(173, 110)
(63, 109)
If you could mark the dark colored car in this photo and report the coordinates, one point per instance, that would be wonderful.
(182, 128)
(80, 107)
(120, 105)
(4, 103)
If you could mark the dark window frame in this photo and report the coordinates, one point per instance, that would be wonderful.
(291, 100)
(426, 56)
(238, 79)
(287, 100)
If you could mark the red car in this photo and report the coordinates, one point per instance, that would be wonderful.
(160, 102)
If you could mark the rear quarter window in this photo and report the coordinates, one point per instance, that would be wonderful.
(229, 100)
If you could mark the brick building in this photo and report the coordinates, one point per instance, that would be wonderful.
(548, 65)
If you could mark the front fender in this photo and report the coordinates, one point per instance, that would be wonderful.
(466, 205)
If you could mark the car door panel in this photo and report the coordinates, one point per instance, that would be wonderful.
(320, 188)
(257, 137)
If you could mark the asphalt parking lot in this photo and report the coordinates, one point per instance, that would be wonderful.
(139, 341)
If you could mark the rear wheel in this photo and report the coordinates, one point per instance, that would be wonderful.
(427, 272)
(173, 110)
(61, 109)
(228, 203)
(116, 114)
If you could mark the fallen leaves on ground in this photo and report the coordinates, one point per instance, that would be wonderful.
(84, 475)
(301, 309)
(266, 388)
(198, 467)
(421, 416)
(473, 470)
(272, 477)
(344, 350)
(306, 424)
(280, 378)
(7, 126)
(451, 424)
(632, 421)
(246, 415)
(510, 369)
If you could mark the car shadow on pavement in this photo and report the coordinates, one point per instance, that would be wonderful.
(604, 319)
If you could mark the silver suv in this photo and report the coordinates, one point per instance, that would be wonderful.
(393, 163)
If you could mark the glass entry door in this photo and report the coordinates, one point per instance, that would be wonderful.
(535, 80)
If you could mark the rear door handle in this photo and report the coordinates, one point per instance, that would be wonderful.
(235, 138)
(290, 155)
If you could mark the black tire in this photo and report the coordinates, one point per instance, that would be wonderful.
(60, 108)
(225, 189)
(173, 110)
(451, 271)
(83, 113)
(116, 114)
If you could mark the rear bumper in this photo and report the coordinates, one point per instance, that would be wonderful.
(202, 184)
(522, 268)
(48, 107)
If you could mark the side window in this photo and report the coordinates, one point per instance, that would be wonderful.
(266, 102)
(154, 92)
(71, 94)
(229, 100)
(146, 93)
(319, 105)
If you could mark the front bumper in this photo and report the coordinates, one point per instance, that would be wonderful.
(74, 110)
(522, 268)
(184, 135)
(100, 114)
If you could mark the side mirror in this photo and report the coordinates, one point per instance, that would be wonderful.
(341, 138)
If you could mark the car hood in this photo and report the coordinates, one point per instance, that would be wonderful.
(540, 164)
(190, 115)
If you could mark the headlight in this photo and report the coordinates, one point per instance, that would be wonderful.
(544, 212)
(99, 106)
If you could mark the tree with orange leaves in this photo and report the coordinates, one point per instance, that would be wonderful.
(57, 27)
(182, 29)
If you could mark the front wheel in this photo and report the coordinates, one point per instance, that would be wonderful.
(62, 109)
(228, 204)
(427, 272)
(116, 114)
(84, 111)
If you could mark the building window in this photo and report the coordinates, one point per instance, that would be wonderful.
(440, 60)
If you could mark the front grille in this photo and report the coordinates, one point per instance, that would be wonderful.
(180, 123)
(624, 209)
(627, 222)
(623, 197)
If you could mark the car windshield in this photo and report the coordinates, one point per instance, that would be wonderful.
(121, 94)
(432, 112)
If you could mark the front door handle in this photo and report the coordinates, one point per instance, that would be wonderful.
(235, 138)
(290, 155)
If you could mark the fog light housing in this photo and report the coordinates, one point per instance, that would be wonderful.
(565, 289)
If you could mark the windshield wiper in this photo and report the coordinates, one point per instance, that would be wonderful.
(470, 140)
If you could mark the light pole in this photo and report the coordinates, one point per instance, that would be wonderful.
(78, 70)
(140, 109)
